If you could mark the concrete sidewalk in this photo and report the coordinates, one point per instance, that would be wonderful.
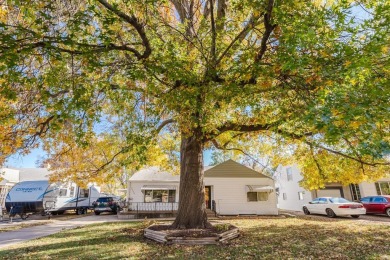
(18, 236)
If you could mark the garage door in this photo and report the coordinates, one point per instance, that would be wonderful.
(329, 193)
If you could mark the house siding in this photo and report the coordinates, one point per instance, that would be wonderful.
(231, 197)
(369, 189)
(291, 189)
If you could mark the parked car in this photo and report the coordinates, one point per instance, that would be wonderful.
(106, 204)
(377, 204)
(332, 207)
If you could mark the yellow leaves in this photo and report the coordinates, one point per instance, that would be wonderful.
(353, 81)
(385, 49)
(3, 13)
(355, 124)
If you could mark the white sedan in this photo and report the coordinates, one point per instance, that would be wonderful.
(333, 207)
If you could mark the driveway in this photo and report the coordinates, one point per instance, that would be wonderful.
(369, 219)
(55, 226)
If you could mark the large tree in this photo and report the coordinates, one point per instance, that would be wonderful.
(311, 74)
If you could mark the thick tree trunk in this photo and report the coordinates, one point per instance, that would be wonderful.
(192, 208)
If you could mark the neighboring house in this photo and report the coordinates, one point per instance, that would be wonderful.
(291, 196)
(9, 177)
(230, 187)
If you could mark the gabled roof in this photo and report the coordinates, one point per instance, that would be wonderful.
(154, 174)
(232, 169)
(228, 169)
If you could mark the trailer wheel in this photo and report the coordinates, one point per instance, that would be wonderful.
(80, 211)
(23, 216)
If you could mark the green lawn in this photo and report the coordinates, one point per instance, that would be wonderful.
(263, 238)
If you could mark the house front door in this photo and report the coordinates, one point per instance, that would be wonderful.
(207, 196)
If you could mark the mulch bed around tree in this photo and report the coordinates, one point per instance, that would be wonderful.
(214, 230)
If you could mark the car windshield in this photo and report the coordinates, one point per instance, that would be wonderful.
(103, 199)
(338, 200)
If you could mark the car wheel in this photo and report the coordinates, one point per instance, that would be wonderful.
(355, 216)
(97, 213)
(388, 212)
(306, 211)
(330, 213)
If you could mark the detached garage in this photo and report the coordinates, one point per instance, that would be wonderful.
(330, 192)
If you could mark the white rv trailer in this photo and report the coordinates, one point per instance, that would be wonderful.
(43, 197)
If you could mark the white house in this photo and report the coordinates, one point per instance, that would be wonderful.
(232, 188)
(291, 196)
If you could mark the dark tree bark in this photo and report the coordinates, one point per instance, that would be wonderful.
(192, 208)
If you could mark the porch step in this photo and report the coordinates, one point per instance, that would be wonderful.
(210, 213)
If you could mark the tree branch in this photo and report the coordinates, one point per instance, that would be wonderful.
(269, 27)
(213, 34)
(163, 124)
(224, 148)
(345, 155)
(240, 37)
(221, 13)
(132, 20)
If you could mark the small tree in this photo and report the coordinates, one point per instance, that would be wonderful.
(309, 74)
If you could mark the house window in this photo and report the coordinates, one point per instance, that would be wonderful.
(284, 196)
(160, 196)
(355, 191)
(289, 174)
(262, 196)
(252, 196)
(63, 192)
(257, 196)
(84, 193)
(383, 188)
(300, 195)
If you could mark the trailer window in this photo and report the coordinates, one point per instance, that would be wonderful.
(63, 192)
(84, 193)
(71, 191)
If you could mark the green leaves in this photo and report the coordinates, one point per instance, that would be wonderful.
(320, 71)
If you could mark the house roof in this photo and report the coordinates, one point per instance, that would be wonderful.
(227, 169)
(232, 169)
(154, 174)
